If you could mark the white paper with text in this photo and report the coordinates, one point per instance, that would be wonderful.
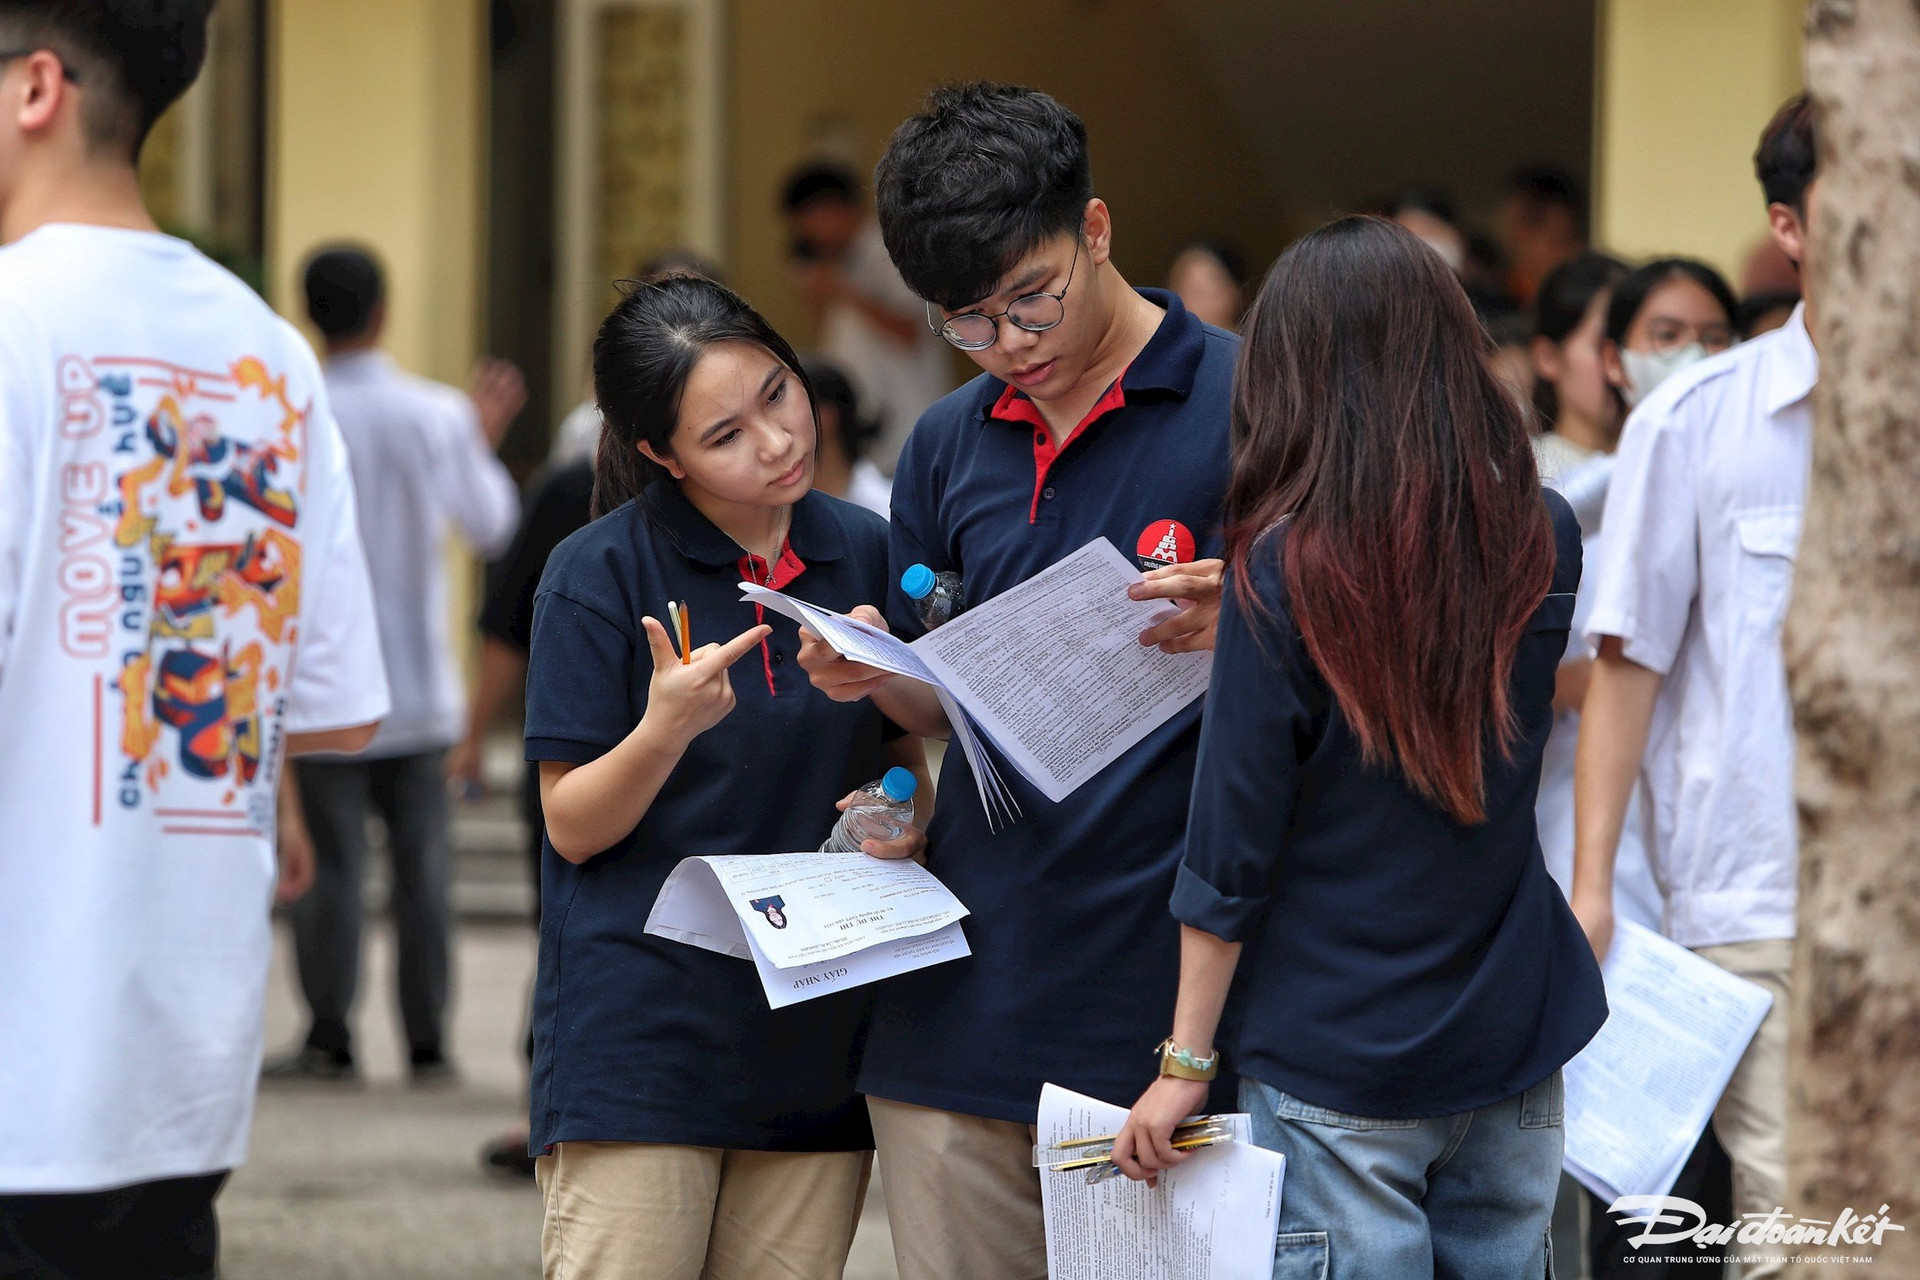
(812, 922)
(1051, 672)
(1054, 673)
(1641, 1092)
(1215, 1217)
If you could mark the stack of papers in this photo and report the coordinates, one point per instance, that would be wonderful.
(1215, 1217)
(1051, 672)
(1639, 1095)
(812, 923)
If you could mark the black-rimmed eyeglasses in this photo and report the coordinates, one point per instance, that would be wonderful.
(14, 55)
(1034, 312)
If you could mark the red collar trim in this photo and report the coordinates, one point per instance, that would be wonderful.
(1012, 407)
(788, 567)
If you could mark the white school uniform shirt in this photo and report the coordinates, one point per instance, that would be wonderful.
(1703, 522)
(181, 587)
(577, 437)
(895, 381)
(1568, 467)
(421, 466)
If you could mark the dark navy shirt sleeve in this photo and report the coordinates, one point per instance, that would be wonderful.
(579, 681)
(1258, 722)
(915, 508)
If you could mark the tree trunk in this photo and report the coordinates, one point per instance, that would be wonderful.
(1853, 650)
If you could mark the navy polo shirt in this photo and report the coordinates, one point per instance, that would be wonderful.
(641, 1039)
(1398, 964)
(1075, 959)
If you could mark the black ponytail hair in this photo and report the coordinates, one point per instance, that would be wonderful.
(646, 349)
(1558, 309)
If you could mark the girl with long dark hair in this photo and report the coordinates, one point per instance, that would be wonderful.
(683, 1128)
(1362, 825)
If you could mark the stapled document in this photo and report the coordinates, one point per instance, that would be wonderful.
(1051, 672)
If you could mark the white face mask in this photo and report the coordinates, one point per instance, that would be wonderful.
(1647, 370)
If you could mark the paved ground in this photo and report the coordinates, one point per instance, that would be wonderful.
(381, 1181)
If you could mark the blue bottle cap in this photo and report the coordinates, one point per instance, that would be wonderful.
(917, 582)
(899, 784)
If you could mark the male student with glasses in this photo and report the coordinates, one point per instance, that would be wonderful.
(1102, 411)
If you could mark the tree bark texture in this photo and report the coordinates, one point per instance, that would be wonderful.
(1853, 648)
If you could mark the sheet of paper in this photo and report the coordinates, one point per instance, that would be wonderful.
(1216, 1217)
(1639, 1095)
(850, 637)
(802, 908)
(812, 922)
(883, 960)
(1051, 672)
(1054, 673)
(863, 642)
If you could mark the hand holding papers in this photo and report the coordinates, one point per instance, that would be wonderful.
(1640, 1093)
(812, 922)
(1215, 1217)
(1052, 671)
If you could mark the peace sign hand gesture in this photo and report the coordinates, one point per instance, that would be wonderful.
(684, 700)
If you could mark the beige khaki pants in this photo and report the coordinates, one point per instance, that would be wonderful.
(628, 1210)
(1751, 1119)
(963, 1197)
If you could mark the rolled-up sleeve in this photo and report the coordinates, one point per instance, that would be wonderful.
(1648, 569)
(1257, 724)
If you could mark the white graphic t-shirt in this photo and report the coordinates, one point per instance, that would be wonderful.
(181, 587)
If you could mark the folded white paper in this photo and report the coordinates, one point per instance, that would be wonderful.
(1215, 1217)
(812, 923)
(1640, 1093)
(1052, 672)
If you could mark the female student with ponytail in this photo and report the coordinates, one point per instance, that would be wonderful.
(1399, 593)
(684, 1130)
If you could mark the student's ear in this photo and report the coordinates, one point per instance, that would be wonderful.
(377, 320)
(47, 92)
(1612, 365)
(1547, 362)
(1096, 225)
(1789, 232)
(652, 455)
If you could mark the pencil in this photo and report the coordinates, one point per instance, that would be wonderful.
(686, 634)
(1182, 1144)
(1197, 1122)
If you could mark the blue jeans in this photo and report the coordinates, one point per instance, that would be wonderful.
(1463, 1197)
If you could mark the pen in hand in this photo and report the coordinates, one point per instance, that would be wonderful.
(682, 619)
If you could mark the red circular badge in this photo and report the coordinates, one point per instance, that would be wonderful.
(1162, 543)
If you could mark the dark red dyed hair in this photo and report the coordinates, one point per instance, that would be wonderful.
(1417, 543)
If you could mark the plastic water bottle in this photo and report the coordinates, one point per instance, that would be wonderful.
(884, 812)
(937, 597)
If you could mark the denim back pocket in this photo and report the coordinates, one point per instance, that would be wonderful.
(1544, 1106)
(1300, 1255)
(1289, 1107)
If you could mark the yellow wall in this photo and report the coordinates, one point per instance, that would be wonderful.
(376, 134)
(377, 129)
(1684, 88)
